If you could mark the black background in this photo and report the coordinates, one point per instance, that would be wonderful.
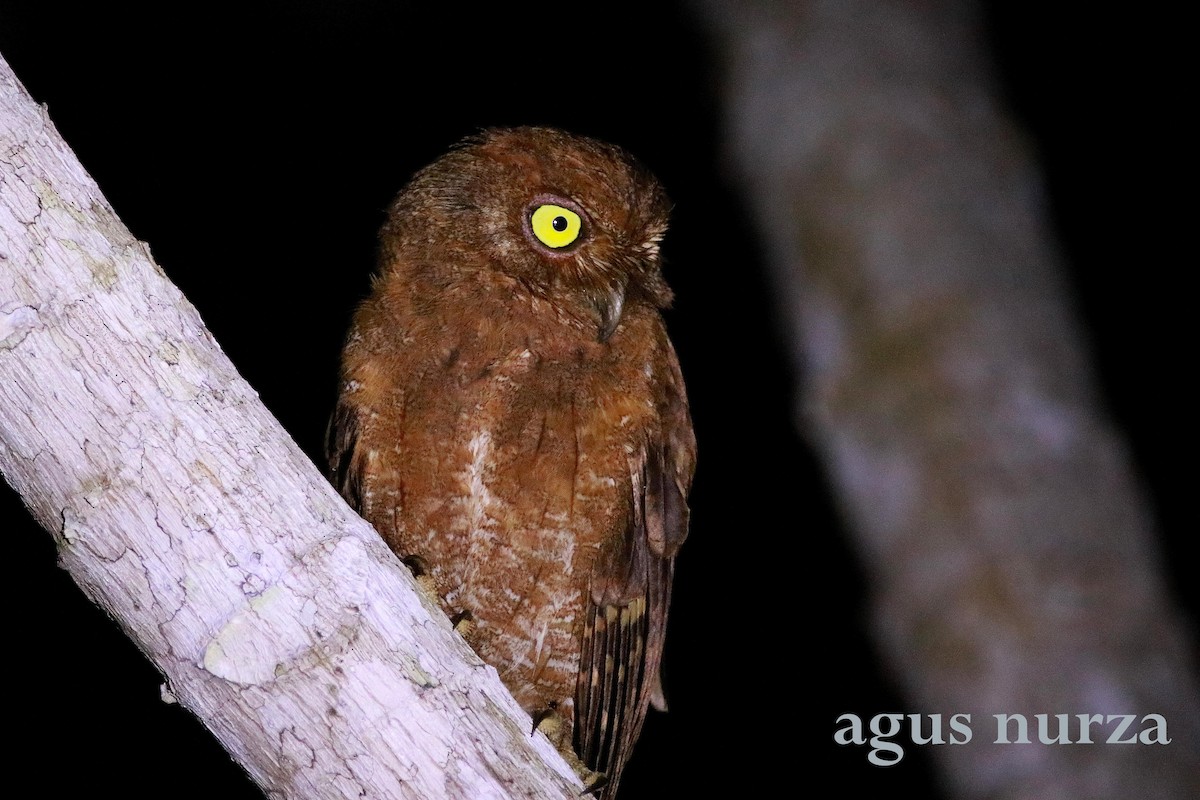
(255, 151)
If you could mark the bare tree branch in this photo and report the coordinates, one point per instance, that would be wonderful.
(182, 508)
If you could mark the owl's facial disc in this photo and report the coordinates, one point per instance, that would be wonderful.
(559, 228)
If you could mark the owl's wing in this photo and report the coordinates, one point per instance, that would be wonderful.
(626, 615)
(341, 440)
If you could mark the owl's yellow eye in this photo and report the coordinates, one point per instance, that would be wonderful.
(555, 226)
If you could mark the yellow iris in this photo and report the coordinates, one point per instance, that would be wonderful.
(555, 226)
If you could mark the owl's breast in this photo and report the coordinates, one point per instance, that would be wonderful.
(500, 455)
(529, 493)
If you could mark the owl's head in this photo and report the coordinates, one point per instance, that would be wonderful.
(573, 220)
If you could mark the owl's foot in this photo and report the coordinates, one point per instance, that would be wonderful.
(551, 723)
(548, 721)
(595, 784)
(464, 624)
(424, 578)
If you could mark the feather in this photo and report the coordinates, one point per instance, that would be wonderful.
(626, 620)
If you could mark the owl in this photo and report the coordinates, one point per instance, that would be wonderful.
(512, 420)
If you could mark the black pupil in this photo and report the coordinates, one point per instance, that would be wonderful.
(559, 224)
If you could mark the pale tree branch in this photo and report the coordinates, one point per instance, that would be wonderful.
(945, 385)
(182, 508)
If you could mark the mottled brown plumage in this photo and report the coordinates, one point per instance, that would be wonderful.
(513, 421)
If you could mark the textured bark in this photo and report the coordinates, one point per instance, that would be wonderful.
(947, 389)
(181, 507)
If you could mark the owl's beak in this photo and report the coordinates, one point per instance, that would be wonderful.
(609, 307)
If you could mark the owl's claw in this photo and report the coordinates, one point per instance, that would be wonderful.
(598, 781)
(551, 723)
(416, 565)
(464, 623)
(546, 720)
(425, 580)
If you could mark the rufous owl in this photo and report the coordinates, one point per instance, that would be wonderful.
(512, 420)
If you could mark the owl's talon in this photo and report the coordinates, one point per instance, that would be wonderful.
(425, 580)
(416, 565)
(598, 781)
(558, 731)
(546, 720)
(464, 623)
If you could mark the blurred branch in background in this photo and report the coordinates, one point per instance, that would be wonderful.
(947, 388)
